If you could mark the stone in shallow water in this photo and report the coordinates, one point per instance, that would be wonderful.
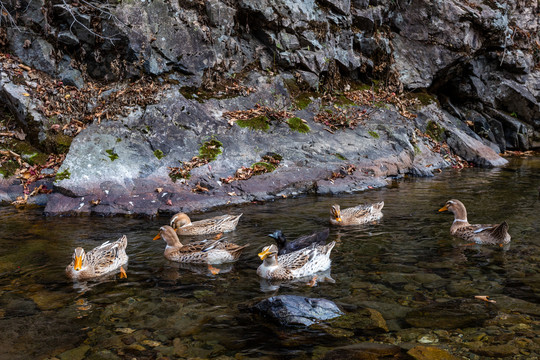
(451, 314)
(430, 353)
(365, 321)
(496, 351)
(75, 354)
(298, 310)
(365, 351)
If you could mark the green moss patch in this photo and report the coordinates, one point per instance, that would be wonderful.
(63, 175)
(373, 134)
(210, 150)
(303, 100)
(424, 98)
(297, 124)
(112, 155)
(8, 168)
(340, 157)
(159, 154)
(435, 131)
(255, 123)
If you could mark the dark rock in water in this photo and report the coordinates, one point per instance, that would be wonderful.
(451, 314)
(298, 310)
(430, 353)
(365, 350)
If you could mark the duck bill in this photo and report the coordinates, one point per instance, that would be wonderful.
(338, 219)
(444, 208)
(157, 237)
(263, 255)
(78, 263)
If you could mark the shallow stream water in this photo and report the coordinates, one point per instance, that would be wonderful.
(406, 262)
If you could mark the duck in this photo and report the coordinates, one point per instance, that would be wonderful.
(219, 224)
(496, 234)
(285, 247)
(357, 215)
(297, 264)
(198, 252)
(103, 259)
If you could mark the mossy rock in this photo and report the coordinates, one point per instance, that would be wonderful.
(435, 131)
(343, 101)
(424, 98)
(58, 143)
(297, 124)
(159, 154)
(373, 134)
(29, 153)
(8, 168)
(340, 157)
(210, 150)
(303, 100)
(62, 175)
(269, 167)
(112, 155)
(255, 123)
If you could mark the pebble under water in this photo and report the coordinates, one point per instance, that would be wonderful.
(403, 282)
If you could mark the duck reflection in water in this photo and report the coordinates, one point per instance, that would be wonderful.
(174, 270)
(267, 285)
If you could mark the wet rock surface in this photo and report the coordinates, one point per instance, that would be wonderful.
(297, 310)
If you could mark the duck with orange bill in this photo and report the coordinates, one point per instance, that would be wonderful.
(224, 223)
(358, 215)
(496, 234)
(214, 251)
(104, 259)
(297, 264)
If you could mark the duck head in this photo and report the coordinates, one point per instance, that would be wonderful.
(269, 255)
(279, 237)
(168, 235)
(79, 259)
(336, 212)
(180, 220)
(457, 208)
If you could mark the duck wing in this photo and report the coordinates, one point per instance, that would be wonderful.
(317, 238)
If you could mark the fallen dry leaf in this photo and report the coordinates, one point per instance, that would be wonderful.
(159, 190)
(484, 298)
(169, 202)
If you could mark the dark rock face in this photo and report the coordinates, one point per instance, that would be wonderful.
(298, 310)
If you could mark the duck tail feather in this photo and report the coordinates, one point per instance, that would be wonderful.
(500, 230)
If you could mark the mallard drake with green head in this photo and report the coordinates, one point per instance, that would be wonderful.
(106, 258)
(358, 215)
(478, 233)
(224, 223)
(300, 263)
(199, 252)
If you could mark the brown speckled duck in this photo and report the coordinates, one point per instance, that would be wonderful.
(297, 264)
(106, 258)
(224, 223)
(478, 233)
(199, 252)
(358, 215)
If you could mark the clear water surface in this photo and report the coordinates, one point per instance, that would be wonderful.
(407, 261)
